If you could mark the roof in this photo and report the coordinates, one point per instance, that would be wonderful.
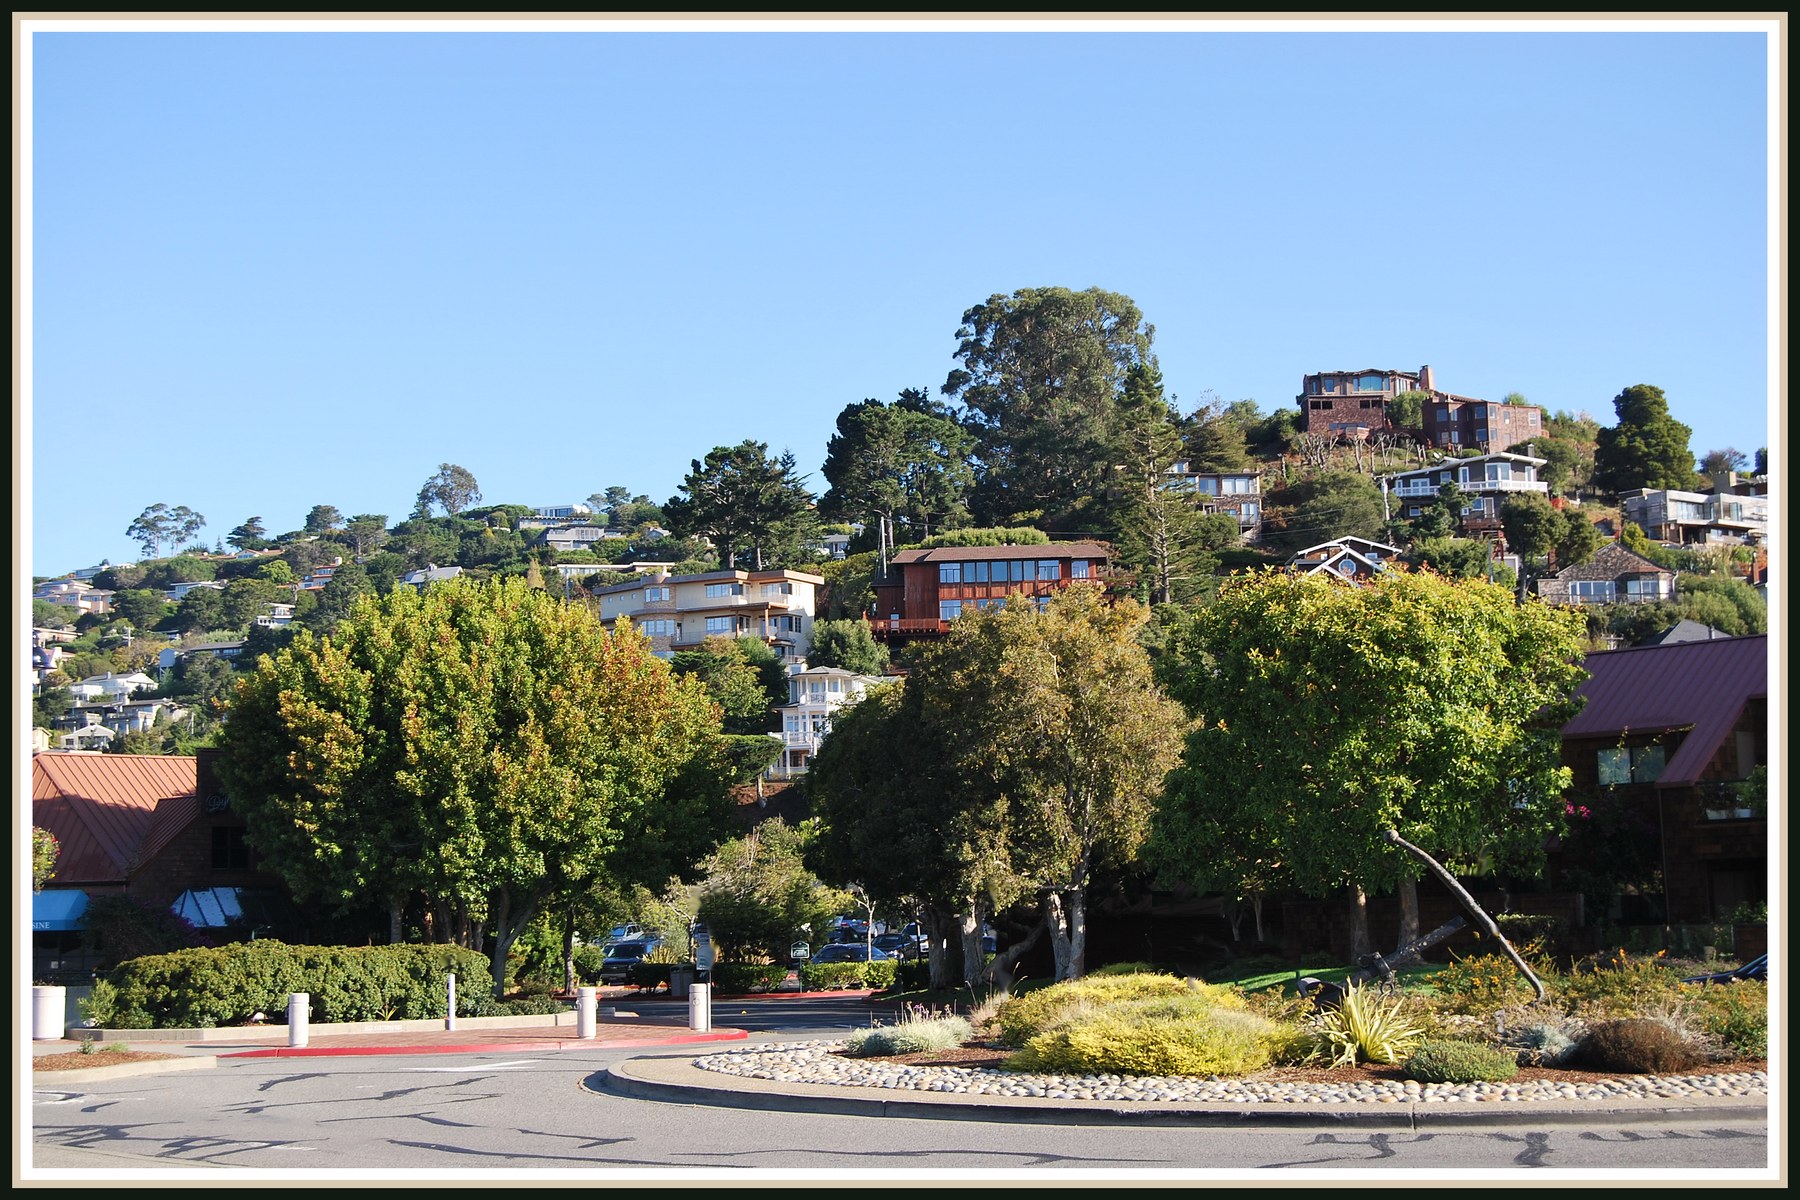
(1683, 630)
(736, 575)
(1700, 686)
(1061, 550)
(111, 813)
(1610, 562)
(1445, 464)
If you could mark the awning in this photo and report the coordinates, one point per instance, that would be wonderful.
(57, 911)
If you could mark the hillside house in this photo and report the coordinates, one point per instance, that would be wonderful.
(924, 590)
(679, 612)
(815, 696)
(1613, 576)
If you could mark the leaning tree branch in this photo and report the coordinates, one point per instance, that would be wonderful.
(1482, 920)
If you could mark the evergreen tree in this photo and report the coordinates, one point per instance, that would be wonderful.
(1648, 448)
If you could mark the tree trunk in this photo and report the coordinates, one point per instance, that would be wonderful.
(1077, 933)
(395, 933)
(1056, 921)
(1359, 922)
(970, 930)
(568, 949)
(1256, 903)
(1408, 895)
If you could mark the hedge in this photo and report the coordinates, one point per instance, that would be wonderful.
(739, 979)
(826, 977)
(226, 985)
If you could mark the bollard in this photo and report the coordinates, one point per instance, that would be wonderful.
(700, 1007)
(299, 1005)
(587, 999)
(450, 1008)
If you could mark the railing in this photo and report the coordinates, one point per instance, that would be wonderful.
(889, 625)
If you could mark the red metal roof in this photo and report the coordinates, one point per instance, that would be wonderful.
(110, 813)
(1700, 686)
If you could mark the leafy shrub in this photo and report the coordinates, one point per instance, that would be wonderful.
(201, 988)
(878, 975)
(738, 979)
(1211, 1041)
(1460, 1062)
(1737, 1015)
(120, 929)
(588, 960)
(1617, 986)
(1636, 1046)
(827, 977)
(911, 1035)
(531, 1006)
(647, 976)
(912, 975)
(1023, 1017)
(1365, 1028)
(1480, 983)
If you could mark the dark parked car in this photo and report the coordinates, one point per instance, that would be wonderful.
(1757, 968)
(845, 952)
(616, 966)
(897, 945)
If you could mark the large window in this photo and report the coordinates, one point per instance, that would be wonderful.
(230, 852)
(661, 627)
(716, 590)
(1370, 383)
(1630, 764)
(1078, 569)
(778, 589)
(1238, 485)
(1593, 591)
(724, 625)
(949, 610)
(1049, 568)
(950, 572)
(652, 594)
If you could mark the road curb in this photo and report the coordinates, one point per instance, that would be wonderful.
(674, 1078)
(186, 1062)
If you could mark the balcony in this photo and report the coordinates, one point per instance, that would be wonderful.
(883, 627)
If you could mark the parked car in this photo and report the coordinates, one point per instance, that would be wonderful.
(844, 952)
(897, 945)
(616, 966)
(1757, 968)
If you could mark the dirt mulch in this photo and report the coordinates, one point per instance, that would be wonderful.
(993, 1057)
(75, 1060)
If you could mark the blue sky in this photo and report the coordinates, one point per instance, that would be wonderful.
(274, 270)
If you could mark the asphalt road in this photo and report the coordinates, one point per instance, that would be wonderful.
(493, 1117)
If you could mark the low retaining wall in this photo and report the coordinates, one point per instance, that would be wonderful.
(278, 1031)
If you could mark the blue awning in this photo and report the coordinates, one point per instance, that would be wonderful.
(57, 911)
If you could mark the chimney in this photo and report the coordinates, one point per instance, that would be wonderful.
(1425, 384)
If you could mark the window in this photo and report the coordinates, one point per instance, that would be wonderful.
(778, 589)
(1593, 591)
(1648, 587)
(949, 610)
(652, 594)
(658, 628)
(1318, 404)
(1328, 383)
(1369, 383)
(1250, 511)
(724, 625)
(950, 572)
(977, 572)
(230, 852)
(1238, 485)
(715, 590)
(1499, 472)
(1634, 764)
(1049, 568)
(1078, 569)
(1208, 487)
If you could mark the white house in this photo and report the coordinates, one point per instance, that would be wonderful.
(815, 695)
(111, 686)
(429, 574)
(1485, 481)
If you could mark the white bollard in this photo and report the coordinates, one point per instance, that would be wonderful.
(587, 999)
(700, 1007)
(450, 1009)
(48, 1012)
(299, 1013)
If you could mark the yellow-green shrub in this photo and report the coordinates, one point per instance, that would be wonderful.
(1023, 1017)
(1480, 984)
(1209, 1042)
(1620, 986)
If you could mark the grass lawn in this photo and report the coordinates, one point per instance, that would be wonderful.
(1254, 975)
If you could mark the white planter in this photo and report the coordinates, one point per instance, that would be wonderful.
(48, 1010)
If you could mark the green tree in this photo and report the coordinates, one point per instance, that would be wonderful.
(1215, 441)
(1533, 526)
(847, 645)
(1057, 709)
(474, 746)
(1156, 526)
(733, 678)
(249, 536)
(1729, 605)
(1407, 410)
(145, 609)
(1040, 378)
(452, 489)
(749, 504)
(1452, 557)
(323, 518)
(202, 609)
(758, 895)
(159, 526)
(1442, 517)
(365, 532)
(1648, 448)
(904, 463)
(1331, 504)
(43, 857)
(339, 595)
(1581, 540)
(1326, 715)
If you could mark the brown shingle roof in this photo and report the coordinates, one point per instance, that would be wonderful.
(1700, 686)
(110, 812)
(1610, 562)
